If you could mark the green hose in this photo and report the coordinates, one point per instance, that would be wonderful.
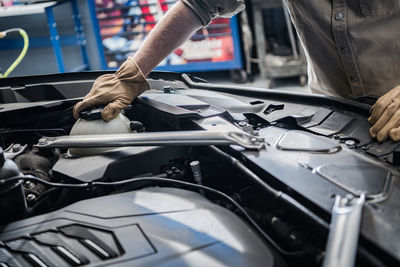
(21, 55)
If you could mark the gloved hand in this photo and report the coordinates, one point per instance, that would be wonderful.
(385, 116)
(116, 90)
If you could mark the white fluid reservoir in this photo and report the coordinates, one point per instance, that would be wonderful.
(118, 125)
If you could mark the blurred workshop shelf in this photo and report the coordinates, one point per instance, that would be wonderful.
(19, 10)
(54, 39)
(273, 66)
(121, 28)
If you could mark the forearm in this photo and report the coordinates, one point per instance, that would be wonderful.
(176, 26)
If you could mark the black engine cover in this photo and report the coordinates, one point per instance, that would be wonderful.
(150, 227)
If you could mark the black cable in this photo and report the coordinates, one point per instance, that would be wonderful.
(41, 181)
(164, 180)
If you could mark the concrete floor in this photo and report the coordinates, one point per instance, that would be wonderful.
(287, 84)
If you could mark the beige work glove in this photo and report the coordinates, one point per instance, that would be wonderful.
(385, 116)
(116, 91)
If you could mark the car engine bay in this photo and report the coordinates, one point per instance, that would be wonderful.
(209, 174)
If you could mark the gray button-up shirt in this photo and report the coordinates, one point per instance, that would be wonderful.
(352, 46)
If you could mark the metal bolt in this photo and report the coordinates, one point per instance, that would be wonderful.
(350, 199)
(347, 200)
(28, 184)
(243, 124)
(30, 197)
(167, 89)
(274, 220)
(350, 142)
(16, 148)
(343, 202)
(42, 141)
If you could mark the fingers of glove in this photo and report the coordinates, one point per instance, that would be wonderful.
(370, 112)
(80, 106)
(372, 108)
(96, 96)
(111, 111)
(386, 116)
(382, 103)
(378, 109)
(395, 134)
(76, 110)
(393, 123)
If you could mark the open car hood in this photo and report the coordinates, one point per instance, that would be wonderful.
(314, 148)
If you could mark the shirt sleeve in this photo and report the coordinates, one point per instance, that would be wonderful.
(206, 10)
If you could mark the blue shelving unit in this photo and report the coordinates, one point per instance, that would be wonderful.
(230, 30)
(54, 39)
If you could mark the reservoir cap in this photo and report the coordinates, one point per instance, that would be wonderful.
(92, 114)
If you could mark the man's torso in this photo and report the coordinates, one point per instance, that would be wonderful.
(353, 46)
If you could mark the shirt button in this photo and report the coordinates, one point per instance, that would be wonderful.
(345, 50)
(354, 79)
(339, 16)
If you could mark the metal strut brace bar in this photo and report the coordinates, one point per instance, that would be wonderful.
(344, 231)
(188, 138)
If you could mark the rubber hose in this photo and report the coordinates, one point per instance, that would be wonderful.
(23, 52)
